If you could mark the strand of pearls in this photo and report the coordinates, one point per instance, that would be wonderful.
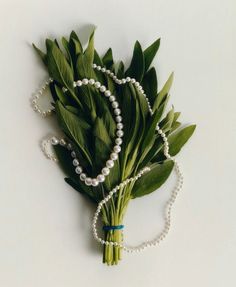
(101, 177)
(36, 97)
(157, 240)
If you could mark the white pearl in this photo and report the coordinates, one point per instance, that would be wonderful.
(115, 104)
(117, 148)
(91, 81)
(118, 119)
(85, 81)
(54, 141)
(102, 89)
(74, 84)
(75, 162)
(88, 181)
(73, 154)
(83, 176)
(117, 112)
(62, 142)
(128, 79)
(136, 84)
(94, 65)
(119, 126)
(114, 156)
(123, 81)
(78, 170)
(107, 93)
(95, 182)
(108, 72)
(79, 83)
(110, 163)
(120, 133)
(105, 171)
(100, 177)
(112, 98)
(69, 146)
(118, 141)
(103, 70)
(99, 68)
(97, 85)
(64, 89)
(133, 81)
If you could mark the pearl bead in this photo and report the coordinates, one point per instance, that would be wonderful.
(117, 148)
(78, 170)
(94, 65)
(128, 79)
(74, 84)
(119, 126)
(62, 142)
(69, 146)
(118, 141)
(105, 171)
(118, 119)
(103, 70)
(117, 112)
(73, 154)
(83, 176)
(107, 93)
(97, 85)
(88, 181)
(133, 80)
(95, 182)
(110, 163)
(120, 133)
(79, 83)
(75, 162)
(91, 81)
(100, 177)
(102, 89)
(85, 81)
(54, 141)
(114, 156)
(123, 81)
(112, 98)
(115, 104)
(99, 68)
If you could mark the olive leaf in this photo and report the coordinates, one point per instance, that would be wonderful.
(150, 53)
(136, 68)
(153, 179)
(164, 92)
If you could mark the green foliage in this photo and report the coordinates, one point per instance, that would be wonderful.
(86, 118)
(152, 180)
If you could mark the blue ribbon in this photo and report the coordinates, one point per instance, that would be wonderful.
(112, 227)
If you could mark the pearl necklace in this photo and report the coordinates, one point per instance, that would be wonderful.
(114, 155)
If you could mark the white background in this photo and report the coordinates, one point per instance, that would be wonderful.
(45, 236)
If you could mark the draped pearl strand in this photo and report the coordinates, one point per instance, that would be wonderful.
(101, 177)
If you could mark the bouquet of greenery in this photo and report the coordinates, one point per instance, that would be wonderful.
(109, 116)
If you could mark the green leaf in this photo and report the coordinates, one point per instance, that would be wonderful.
(165, 91)
(108, 59)
(153, 179)
(42, 55)
(178, 139)
(150, 53)
(136, 68)
(58, 67)
(73, 127)
(149, 84)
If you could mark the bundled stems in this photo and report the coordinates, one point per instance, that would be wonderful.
(117, 207)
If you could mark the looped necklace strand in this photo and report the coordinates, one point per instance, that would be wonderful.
(113, 156)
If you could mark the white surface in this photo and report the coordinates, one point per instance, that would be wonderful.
(45, 238)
